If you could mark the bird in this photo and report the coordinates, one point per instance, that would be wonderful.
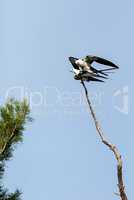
(83, 69)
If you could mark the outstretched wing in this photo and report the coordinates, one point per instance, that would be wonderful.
(103, 61)
(72, 60)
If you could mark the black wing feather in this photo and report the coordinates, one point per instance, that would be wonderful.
(72, 60)
(98, 71)
(94, 79)
(103, 61)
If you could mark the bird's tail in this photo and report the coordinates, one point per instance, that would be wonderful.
(104, 72)
(94, 79)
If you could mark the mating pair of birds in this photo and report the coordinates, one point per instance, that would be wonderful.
(83, 69)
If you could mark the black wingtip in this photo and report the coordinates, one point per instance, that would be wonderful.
(115, 66)
(72, 59)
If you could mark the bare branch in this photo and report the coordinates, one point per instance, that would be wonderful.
(112, 147)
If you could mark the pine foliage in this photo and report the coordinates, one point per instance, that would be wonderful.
(13, 117)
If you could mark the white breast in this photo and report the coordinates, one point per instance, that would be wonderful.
(76, 71)
(83, 65)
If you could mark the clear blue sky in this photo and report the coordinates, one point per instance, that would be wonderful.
(61, 157)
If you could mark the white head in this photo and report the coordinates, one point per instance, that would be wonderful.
(79, 62)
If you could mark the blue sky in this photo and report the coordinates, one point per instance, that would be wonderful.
(61, 156)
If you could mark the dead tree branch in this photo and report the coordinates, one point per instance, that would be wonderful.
(112, 147)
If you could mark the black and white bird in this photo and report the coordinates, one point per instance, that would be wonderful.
(83, 70)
